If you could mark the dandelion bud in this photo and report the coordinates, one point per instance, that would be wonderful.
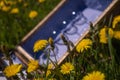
(51, 42)
(64, 39)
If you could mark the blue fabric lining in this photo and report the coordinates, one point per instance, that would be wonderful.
(55, 23)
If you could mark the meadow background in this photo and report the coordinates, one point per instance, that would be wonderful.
(18, 17)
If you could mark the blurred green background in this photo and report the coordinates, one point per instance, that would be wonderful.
(15, 22)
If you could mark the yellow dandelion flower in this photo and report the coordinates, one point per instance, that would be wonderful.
(116, 20)
(41, 1)
(33, 14)
(6, 8)
(48, 73)
(14, 11)
(40, 45)
(103, 39)
(66, 68)
(103, 35)
(50, 66)
(32, 66)
(2, 4)
(95, 75)
(117, 35)
(12, 70)
(84, 45)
